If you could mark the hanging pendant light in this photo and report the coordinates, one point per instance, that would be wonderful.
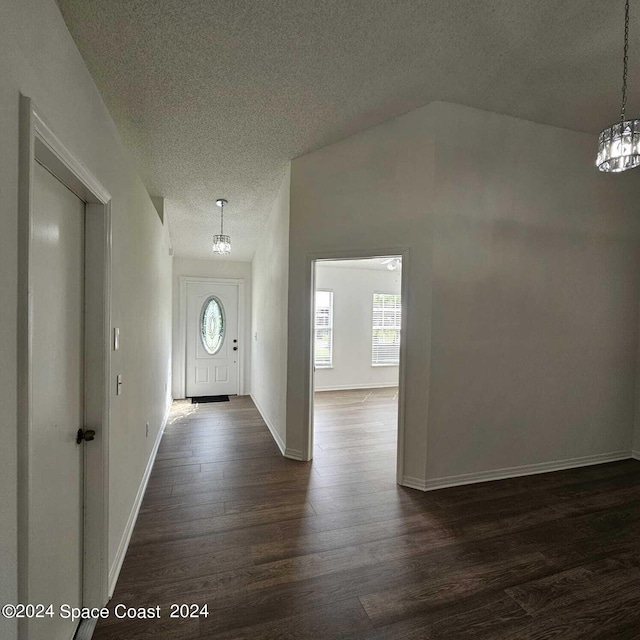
(619, 144)
(221, 243)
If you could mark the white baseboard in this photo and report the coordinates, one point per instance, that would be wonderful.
(274, 432)
(294, 454)
(635, 455)
(353, 387)
(514, 472)
(414, 483)
(114, 572)
(85, 629)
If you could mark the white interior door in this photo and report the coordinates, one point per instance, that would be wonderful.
(212, 339)
(56, 460)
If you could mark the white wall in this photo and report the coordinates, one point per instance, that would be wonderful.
(523, 284)
(39, 58)
(269, 316)
(353, 291)
(210, 269)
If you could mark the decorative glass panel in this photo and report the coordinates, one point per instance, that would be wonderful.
(212, 326)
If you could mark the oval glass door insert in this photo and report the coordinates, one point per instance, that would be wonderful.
(212, 326)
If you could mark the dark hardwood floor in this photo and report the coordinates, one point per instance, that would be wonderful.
(333, 549)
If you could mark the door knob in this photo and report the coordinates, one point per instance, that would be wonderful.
(86, 435)
(235, 348)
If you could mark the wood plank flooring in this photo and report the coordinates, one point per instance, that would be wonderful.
(333, 549)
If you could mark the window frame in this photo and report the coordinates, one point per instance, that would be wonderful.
(397, 328)
(323, 365)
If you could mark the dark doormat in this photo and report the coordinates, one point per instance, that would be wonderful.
(203, 399)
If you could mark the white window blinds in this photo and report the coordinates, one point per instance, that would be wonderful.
(324, 329)
(387, 320)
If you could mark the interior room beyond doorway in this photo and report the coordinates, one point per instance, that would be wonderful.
(358, 310)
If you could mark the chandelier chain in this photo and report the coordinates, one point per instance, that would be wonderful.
(625, 60)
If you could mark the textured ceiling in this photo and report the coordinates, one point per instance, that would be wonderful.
(213, 97)
(376, 264)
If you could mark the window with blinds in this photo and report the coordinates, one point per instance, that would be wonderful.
(387, 320)
(324, 329)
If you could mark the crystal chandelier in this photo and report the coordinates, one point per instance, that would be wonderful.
(221, 243)
(619, 144)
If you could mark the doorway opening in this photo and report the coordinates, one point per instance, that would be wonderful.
(356, 352)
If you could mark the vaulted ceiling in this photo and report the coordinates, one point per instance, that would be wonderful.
(213, 97)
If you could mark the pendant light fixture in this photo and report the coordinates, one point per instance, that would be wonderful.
(619, 144)
(221, 243)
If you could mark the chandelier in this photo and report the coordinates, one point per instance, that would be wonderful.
(221, 243)
(619, 144)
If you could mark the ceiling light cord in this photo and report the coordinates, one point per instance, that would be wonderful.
(222, 218)
(625, 60)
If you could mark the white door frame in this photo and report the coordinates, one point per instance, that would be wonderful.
(310, 270)
(39, 144)
(182, 328)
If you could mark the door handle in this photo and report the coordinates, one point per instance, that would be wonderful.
(235, 348)
(86, 435)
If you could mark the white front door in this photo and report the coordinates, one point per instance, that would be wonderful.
(55, 526)
(212, 339)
